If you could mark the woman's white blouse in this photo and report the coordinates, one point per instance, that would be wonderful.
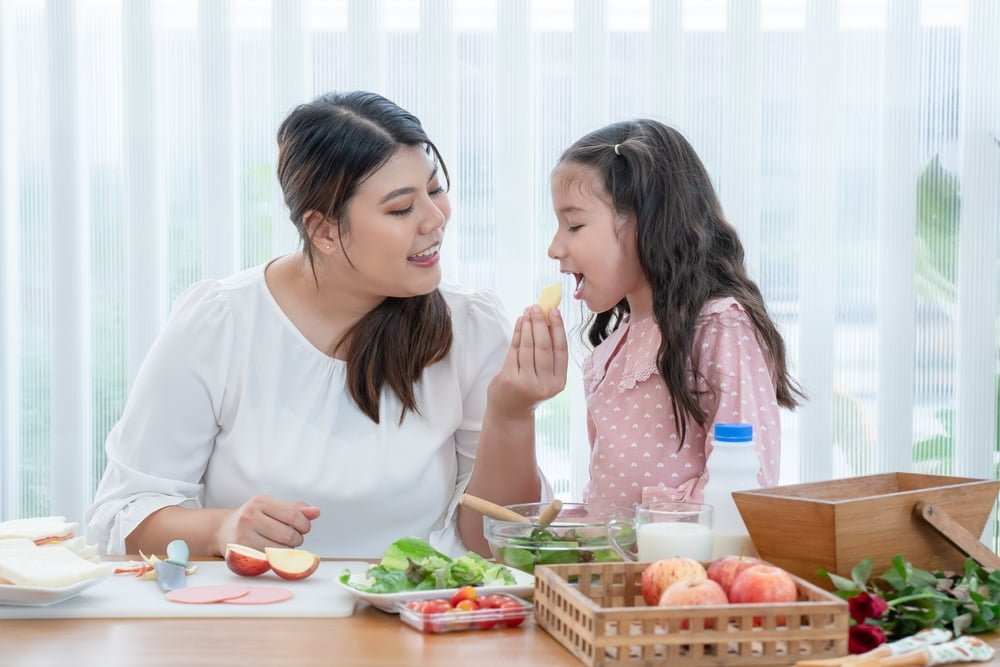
(233, 401)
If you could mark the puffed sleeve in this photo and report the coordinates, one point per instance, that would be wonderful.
(740, 381)
(159, 449)
(481, 339)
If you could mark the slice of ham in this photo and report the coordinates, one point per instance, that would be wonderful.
(262, 596)
(207, 594)
(53, 539)
(133, 567)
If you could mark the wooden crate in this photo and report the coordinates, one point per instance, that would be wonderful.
(835, 524)
(603, 620)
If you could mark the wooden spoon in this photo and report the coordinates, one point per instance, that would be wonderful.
(491, 510)
(549, 513)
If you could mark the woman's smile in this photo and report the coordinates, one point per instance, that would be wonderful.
(426, 258)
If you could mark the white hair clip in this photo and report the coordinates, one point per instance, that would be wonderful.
(616, 150)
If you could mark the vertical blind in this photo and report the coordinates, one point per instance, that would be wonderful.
(855, 145)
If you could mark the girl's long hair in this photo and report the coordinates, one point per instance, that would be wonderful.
(327, 149)
(688, 252)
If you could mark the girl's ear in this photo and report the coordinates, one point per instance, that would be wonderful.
(321, 232)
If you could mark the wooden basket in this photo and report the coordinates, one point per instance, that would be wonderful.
(835, 524)
(603, 620)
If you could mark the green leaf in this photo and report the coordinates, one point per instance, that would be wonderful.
(901, 567)
(922, 578)
(839, 582)
(861, 572)
(518, 557)
(398, 554)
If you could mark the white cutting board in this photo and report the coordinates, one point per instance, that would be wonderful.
(124, 596)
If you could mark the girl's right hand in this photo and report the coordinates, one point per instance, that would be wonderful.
(264, 521)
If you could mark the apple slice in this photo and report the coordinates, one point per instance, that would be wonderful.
(550, 298)
(246, 561)
(291, 563)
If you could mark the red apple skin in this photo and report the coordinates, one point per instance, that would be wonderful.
(764, 583)
(245, 563)
(724, 570)
(659, 574)
(694, 591)
(292, 576)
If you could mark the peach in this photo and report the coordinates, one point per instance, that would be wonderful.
(291, 563)
(724, 570)
(694, 591)
(658, 575)
(246, 561)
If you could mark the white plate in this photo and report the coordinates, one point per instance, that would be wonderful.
(39, 596)
(524, 585)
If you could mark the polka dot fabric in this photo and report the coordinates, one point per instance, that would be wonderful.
(636, 454)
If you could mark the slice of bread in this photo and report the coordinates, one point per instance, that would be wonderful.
(17, 543)
(52, 567)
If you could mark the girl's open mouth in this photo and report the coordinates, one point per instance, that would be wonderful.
(580, 280)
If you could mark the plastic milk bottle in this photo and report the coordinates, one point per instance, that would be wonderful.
(732, 466)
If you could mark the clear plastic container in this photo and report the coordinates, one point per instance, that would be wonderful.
(514, 615)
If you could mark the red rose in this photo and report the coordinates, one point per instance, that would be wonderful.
(864, 606)
(862, 638)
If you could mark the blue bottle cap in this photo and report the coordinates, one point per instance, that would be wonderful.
(734, 432)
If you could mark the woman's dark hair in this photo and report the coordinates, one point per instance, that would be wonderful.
(689, 254)
(327, 149)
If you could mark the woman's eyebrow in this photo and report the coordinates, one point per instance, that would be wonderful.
(407, 190)
(397, 192)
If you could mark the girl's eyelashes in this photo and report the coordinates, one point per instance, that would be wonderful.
(573, 228)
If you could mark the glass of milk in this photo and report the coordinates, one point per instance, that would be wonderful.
(668, 529)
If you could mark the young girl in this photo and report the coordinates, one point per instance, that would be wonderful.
(682, 338)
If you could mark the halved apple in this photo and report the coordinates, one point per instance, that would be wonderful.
(291, 563)
(246, 561)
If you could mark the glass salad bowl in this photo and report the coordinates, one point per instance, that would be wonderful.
(578, 534)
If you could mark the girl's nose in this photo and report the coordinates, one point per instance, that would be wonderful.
(555, 248)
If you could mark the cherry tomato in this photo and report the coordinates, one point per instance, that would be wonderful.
(491, 601)
(467, 605)
(463, 593)
(487, 623)
(432, 610)
(512, 613)
(436, 606)
(458, 619)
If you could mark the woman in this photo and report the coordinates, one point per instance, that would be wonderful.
(341, 379)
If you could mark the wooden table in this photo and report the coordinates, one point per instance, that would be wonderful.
(370, 638)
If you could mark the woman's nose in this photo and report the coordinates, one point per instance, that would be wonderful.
(434, 219)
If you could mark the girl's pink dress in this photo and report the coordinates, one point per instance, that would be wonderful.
(636, 454)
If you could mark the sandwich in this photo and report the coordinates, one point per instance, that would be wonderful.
(40, 530)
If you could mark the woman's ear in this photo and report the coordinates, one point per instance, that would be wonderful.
(322, 232)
